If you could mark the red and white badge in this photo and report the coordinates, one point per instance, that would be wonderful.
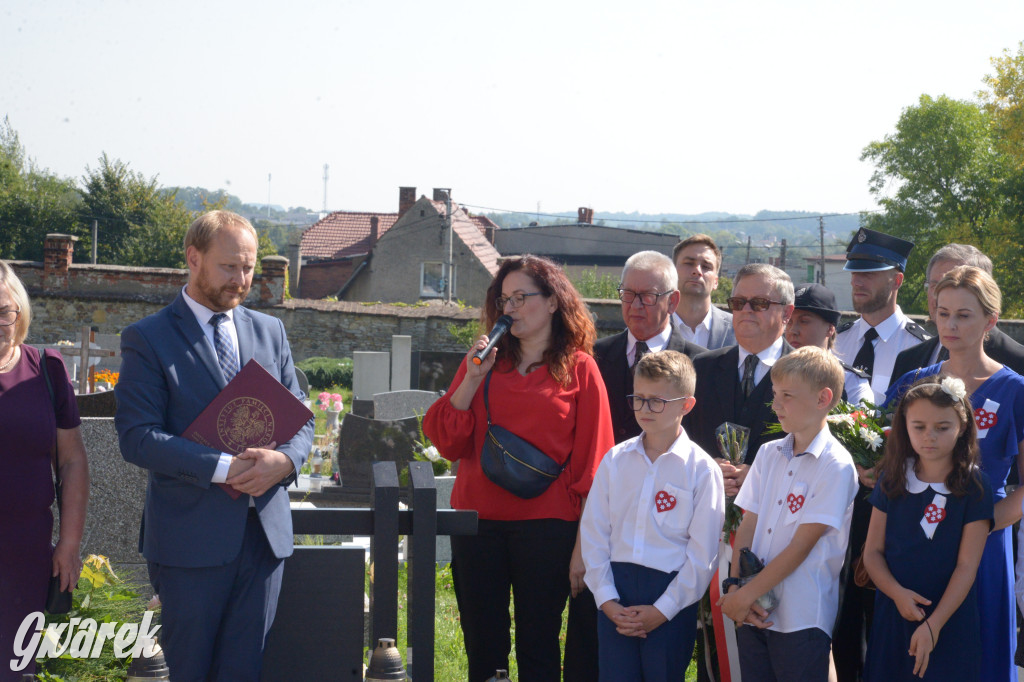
(985, 417)
(795, 500)
(663, 502)
(934, 513)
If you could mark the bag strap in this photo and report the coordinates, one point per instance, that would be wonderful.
(487, 404)
(57, 483)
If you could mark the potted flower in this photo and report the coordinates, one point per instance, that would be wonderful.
(332, 405)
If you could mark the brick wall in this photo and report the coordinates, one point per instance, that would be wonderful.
(320, 280)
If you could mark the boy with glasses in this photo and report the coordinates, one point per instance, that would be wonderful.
(650, 530)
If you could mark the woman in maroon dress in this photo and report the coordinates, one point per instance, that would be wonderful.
(29, 427)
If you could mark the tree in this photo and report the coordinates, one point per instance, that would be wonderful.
(1005, 102)
(33, 202)
(939, 178)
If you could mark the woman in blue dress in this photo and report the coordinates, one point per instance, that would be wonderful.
(969, 304)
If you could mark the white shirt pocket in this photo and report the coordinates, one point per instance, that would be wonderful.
(794, 503)
(672, 508)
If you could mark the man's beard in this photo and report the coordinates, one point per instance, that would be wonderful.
(224, 298)
(872, 305)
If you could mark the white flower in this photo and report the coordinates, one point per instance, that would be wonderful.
(432, 454)
(840, 419)
(870, 437)
(954, 387)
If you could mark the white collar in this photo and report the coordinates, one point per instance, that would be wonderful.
(768, 356)
(885, 328)
(656, 342)
(705, 323)
(680, 447)
(916, 485)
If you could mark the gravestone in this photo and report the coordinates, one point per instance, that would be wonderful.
(365, 441)
(402, 404)
(371, 373)
(117, 492)
(401, 362)
(99, 404)
(300, 376)
(110, 342)
(433, 370)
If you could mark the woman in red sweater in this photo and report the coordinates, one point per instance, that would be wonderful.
(545, 387)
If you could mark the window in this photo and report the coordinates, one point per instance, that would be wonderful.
(432, 280)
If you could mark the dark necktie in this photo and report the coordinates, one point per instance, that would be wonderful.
(225, 346)
(943, 354)
(639, 350)
(865, 360)
(749, 367)
(229, 368)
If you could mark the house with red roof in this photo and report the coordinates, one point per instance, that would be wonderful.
(406, 262)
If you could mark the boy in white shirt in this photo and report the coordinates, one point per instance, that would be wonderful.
(650, 531)
(798, 499)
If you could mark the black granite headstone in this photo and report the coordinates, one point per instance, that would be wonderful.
(365, 441)
(433, 370)
(102, 404)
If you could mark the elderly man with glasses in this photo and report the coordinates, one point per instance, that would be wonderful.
(649, 294)
(734, 383)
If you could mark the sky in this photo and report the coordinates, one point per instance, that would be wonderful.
(655, 107)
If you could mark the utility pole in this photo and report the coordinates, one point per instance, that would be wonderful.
(821, 238)
(95, 238)
(782, 257)
(449, 267)
(748, 250)
(268, 196)
(326, 167)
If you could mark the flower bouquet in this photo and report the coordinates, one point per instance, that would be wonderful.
(861, 429)
(732, 442)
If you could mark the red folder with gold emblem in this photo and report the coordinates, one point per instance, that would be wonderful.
(252, 411)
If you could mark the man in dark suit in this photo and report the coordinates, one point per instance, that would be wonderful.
(216, 561)
(998, 345)
(698, 261)
(734, 384)
(647, 275)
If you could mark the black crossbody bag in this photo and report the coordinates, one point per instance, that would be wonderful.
(514, 463)
(57, 600)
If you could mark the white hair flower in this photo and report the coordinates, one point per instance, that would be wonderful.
(954, 387)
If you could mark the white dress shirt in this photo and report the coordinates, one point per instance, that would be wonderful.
(655, 343)
(787, 490)
(893, 338)
(203, 316)
(767, 357)
(622, 521)
(700, 335)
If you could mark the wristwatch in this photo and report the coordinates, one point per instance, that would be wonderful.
(729, 582)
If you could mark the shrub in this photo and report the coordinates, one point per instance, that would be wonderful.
(327, 372)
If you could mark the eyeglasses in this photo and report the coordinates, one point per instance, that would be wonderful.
(517, 300)
(655, 405)
(9, 317)
(757, 304)
(646, 298)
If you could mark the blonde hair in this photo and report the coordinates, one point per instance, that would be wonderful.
(204, 229)
(671, 366)
(976, 281)
(818, 367)
(17, 291)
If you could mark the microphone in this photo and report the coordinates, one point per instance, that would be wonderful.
(501, 327)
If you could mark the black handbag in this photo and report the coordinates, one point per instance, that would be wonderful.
(514, 463)
(57, 600)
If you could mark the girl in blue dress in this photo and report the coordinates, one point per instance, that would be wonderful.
(933, 510)
(968, 306)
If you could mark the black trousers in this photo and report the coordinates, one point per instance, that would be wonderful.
(530, 559)
(856, 604)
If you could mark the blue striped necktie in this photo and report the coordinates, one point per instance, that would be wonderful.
(226, 356)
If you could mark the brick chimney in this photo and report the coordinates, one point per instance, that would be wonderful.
(406, 198)
(57, 253)
(489, 234)
(374, 230)
(272, 279)
(585, 215)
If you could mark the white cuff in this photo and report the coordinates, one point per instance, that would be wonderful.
(220, 474)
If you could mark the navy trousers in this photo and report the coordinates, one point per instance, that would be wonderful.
(769, 656)
(214, 620)
(664, 654)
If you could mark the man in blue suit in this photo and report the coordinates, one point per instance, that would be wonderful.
(215, 561)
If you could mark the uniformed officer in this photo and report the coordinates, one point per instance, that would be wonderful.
(814, 321)
(876, 263)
